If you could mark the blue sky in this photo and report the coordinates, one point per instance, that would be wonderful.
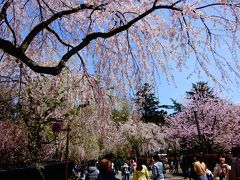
(167, 90)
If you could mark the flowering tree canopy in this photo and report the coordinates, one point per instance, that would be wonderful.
(124, 40)
(34, 121)
(142, 137)
(210, 123)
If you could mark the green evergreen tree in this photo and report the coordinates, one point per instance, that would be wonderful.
(176, 106)
(200, 90)
(149, 106)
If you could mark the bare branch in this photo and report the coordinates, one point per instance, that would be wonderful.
(9, 48)
(113, 32)
(208, 30)
(174, 4)
(65, 44)
(1, 57)
(188, 35)
(3, 15)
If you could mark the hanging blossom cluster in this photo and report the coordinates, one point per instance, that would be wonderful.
(121, 42)
(61, 100)
(13, 142)
(52, 103)
(147, 136)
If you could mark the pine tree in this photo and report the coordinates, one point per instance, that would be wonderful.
(148, 105)
(200, 90)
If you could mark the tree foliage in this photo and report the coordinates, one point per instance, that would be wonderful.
(99, 38)
(148, 105)
(26, 123)
(122, 113)
(176, 106)
(218, 121)
(142, 137)
(200, 90)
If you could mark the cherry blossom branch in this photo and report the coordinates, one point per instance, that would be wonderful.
(44, 24)
(219, 4)
(19, 52)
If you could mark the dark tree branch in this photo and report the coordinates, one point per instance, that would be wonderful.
(113, 32)
(4, 9)
(25, 3)
(1, 57)
(48, 6)
(218, 4)
(8, 47)
(3, 15)
(40, 10)
(65, 44)
(44, 24)
(174, 4)
(58, 37)
(188, 35)
(207, 28)
(12, 31)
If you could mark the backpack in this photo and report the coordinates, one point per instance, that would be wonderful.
(157, 170)
(209, 175)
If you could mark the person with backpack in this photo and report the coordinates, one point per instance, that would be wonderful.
(92, 171)
(200, 168)
(157, 169)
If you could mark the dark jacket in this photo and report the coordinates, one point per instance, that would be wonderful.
(108, 176)
(91, 173)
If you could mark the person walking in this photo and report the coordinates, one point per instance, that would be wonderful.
(157, 169)
(92, 171)
(77, 170)
(106, 170)
(235, 164)
(126, 171)
(200, 168)
(221, 169)
(141, 171)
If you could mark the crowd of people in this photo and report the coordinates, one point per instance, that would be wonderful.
(138, 169)
(105, 169)
(227, 167)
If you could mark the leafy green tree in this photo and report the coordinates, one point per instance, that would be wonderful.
(148, 105)
(176, 106)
